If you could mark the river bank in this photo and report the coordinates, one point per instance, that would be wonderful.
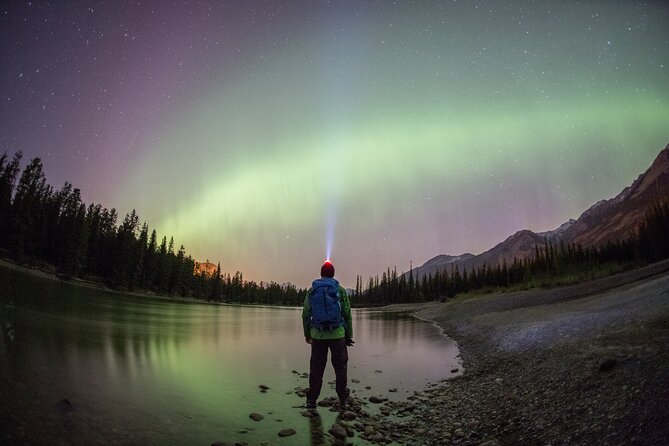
(585, 364)
(49, 274)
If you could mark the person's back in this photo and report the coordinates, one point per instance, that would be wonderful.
(326, 319)
(324, 298)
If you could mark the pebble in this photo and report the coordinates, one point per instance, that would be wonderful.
(607, 365)
(348, 415)
(287, 432)
(338, 431)
(65, 405)
(377, 438)
(255, 416)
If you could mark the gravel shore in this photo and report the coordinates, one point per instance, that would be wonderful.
(580, 365)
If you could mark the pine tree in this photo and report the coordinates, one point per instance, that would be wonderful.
(179, 271)
(217, 284)
(150, 268)
(8, 174)
(142, 250)
(30, 193)
(75, 242)
(126, 252)
(411, 285)
(162, 275)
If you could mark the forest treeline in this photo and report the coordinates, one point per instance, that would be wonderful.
(44, 227)
(552, 265)
(41, 226)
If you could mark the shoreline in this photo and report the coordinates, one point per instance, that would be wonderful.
(584, 364)
(41, 273)
(90, 284)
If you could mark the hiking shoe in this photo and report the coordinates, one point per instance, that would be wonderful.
(311, 404)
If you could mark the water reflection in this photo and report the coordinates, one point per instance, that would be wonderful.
(162, 372)
(316, 430)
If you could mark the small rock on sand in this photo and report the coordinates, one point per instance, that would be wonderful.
(255, 416)
(607, 365)
(287, 432)
(338, 431)
(348, 415)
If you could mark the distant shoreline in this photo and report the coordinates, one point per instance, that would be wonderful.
(597, 285)
(41, 273)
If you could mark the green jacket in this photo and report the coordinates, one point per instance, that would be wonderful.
(337, 333)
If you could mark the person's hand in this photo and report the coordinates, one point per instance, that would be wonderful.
(350, 342)
(308, 340)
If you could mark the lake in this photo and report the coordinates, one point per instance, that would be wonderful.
(85, 366)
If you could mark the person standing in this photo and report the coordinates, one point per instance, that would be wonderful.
(326, 319)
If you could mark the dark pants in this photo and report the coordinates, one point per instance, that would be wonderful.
(319, 359)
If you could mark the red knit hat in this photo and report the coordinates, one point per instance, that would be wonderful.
(327, 270)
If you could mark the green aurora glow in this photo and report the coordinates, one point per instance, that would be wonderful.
(401, 169)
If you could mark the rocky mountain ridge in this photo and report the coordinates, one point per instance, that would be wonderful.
(606, 220)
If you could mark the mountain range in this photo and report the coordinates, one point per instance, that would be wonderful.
(607, 220)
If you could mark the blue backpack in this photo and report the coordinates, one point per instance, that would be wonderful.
(325, 304)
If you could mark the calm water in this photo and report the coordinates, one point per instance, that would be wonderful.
(147, 371)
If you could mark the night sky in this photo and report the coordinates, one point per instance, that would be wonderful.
(259, 133)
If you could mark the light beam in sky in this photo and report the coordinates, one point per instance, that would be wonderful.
(330, 224)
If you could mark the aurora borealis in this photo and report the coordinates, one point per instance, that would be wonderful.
(254, 132)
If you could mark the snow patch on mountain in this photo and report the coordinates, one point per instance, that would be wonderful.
(444, 259)
(556, 234)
